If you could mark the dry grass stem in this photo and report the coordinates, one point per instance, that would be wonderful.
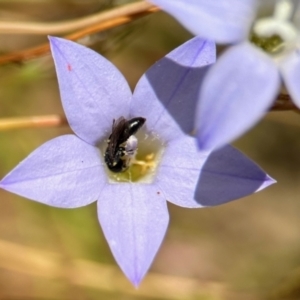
(282, 103)
(72, 25)
(32, 122)
(104, 21)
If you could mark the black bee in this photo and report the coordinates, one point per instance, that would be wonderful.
(122, 144)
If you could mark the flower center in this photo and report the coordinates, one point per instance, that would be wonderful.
(276, 34)
(133, 159)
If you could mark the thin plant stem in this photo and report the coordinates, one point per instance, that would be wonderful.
(282, 103)
(117, 20)
(62, 27)
(32, 122)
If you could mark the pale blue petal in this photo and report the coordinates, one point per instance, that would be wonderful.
(190, 178)
(64, 172)
(224, 21)
(290, 70)
(236, 93)
(228, 175)
(93, 91)
(179, 170)
(167, 93)
(134, 219)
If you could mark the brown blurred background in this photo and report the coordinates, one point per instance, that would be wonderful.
(247, 249)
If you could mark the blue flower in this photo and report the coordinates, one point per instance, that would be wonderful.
(245, 81)
(163, 161)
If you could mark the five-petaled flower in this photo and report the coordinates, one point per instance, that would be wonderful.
(243, 84)
(69, 171)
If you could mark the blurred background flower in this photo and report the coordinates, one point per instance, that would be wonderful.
(244, 83)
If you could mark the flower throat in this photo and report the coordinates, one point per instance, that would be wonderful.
(277, 33)
(126, 159)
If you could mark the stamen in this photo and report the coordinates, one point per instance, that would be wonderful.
(283, 10)
(268, 27)
(146, 164)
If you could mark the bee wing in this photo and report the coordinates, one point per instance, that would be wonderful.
(115, 138)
